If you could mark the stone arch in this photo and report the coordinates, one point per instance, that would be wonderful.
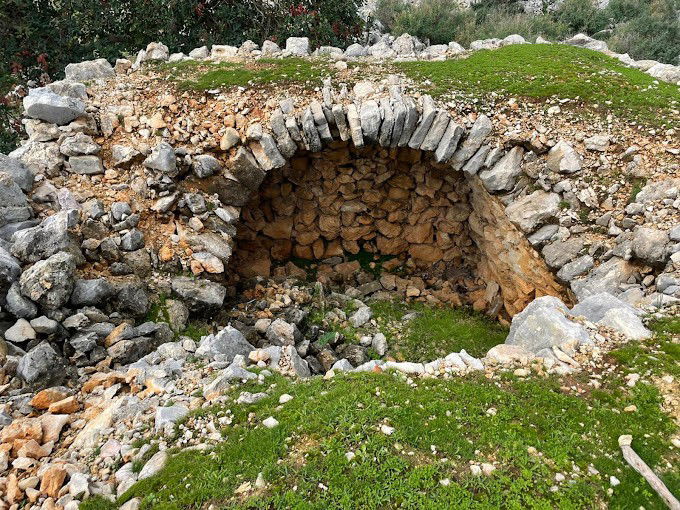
(514, 273)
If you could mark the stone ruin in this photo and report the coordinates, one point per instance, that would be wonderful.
(402, 206)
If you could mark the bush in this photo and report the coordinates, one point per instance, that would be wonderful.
(581, 16)
(654, 34)
(438, 21)
(41, 36)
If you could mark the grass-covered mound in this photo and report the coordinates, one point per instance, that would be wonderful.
(542, 71)
(205, 75)
(552, 441)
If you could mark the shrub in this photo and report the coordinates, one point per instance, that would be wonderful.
(581, 16)
(654, 34)
(387, 12)
(439, 21)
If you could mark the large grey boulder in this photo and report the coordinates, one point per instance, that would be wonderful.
(79, 144)
(270, 48)
(607, 277)
(625, 322)
(585, 41)
(86, 165)
(404, 45)
(532, 211)
(53, 235)
(13, 204)
(595, 307)
(559, 253)
(658, 190)
(18, 305)
(205, 165)
(42, 367)
(575, 268)
(162, 158)
(166, 417)
(564, 159)
(199, 295)
(68, 88)
(665, 72)
(156, 51)
(649, 245)
(43, 104)
(89, 70)
(19, 172)
(369, 115)
(543, 324)
(503, 175)
(50, 282)
(40, 157)
(355, 50)
(10, 269)
(225, 344)
(298, 46)
(93, 292)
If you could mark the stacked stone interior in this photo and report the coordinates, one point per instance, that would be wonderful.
(395, 203)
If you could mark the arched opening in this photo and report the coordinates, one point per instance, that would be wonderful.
(413, 225)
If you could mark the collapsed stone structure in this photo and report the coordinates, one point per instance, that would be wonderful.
(133, 208)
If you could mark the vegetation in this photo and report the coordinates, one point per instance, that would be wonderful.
(433, 333)
(645, 30)
(530, 430)
(540, 72)
(192, 75)
(40, 37)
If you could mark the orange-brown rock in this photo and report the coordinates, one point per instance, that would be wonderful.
(53, 480)
(22, 428)
(508, 259)
(66, 406)
(44, 398)
(32, 450)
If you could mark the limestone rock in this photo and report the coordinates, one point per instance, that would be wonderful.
(50, 282)
(480, 130)
(199, 295)
(43, 104)
(625, 322)
(298, 46)
(543, 325)
(86, 165)
(564, 159)
(531, 211)
(649, 245)
(89, 70)
(162, 158)
(42, 366)
(19, 173)
(504, 174)
(595, 307)
(281, 332)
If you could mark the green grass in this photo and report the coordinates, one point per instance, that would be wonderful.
(656, 356)
(199, 76)
(542, 71)
(440, 426)
(436, 332)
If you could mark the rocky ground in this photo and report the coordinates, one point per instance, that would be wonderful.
(141, 282)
